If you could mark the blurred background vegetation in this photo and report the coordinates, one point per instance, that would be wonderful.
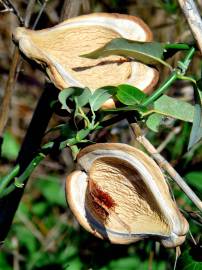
(44, 234)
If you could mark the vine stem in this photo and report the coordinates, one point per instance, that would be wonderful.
(19, 181)
(11, 7)
(176, 74)
(172, 78)
(178, 46)
(8, 178)
(165, 165)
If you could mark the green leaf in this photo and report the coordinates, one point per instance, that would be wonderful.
(195, 179)
(66, 130)
(39, 208)
(171, 49)
(146, 52)
(4, 264)
(51, 189)
(129, 263)
(175, 108)
(79, 137)
(63, 96)
(190, 259)
(196, 131)
(10, 146)
(180, 142)
(81, 95)
(27, 240)
(100, 96)
(153, 122)
(130, 95)
(170, 6)
(81, 134)
(139, 108)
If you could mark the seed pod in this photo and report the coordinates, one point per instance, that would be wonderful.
(58, 50)
(120, 194)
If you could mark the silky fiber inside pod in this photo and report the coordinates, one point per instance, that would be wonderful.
(59, 49)
(121, 195)
(138, 206)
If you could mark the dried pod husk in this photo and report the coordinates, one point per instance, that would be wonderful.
(120, 194)
(59, 49)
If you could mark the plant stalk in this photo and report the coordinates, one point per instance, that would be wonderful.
(177, 46)
(20, 181)
(8, 178)
(193, 17)
(171, 79)
(165, 165)
(30, 146)
(179, 71)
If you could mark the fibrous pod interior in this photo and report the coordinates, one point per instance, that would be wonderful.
(59, 50)
(120, 194)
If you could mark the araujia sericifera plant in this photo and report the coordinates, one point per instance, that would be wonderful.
(151, 211)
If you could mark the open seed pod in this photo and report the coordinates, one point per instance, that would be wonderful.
(120, 194)
(58, 50)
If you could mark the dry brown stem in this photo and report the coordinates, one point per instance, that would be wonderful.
(165, 165)
(40, 13)
(10, 7)
(5, 105)
(70, 9)
(193, 17)
(28, 12)
(170, 136)
(86, 6)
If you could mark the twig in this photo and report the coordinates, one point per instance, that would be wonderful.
(6, 10)
(192, 238)
(28, 12)
(194, 19)
(5, 106)
(177, 255)
(30, 226)
(86, 6)
(9, 6)
(40, 13)
(165, 165)
(15, 66)
(170, 136)
(70, 9)
(16, 257)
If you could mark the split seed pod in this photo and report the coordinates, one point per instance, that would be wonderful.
(59, 49)
(120, 194)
